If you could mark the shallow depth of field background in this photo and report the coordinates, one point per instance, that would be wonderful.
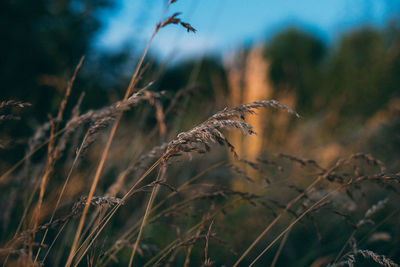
(336, 63)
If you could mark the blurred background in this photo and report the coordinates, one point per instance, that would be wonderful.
(336, 62)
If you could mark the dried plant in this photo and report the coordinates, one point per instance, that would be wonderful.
(174, 20)
(14, 103)
(147, 206)
(200, 137)
(366, 254)
(11, 104)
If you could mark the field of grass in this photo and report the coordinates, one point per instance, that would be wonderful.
(172, 178)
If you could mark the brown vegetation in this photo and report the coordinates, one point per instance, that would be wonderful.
(107, 193)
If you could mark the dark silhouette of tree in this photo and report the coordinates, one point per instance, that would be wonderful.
(358, 76)
(296, 60)
(41, 43)
(364, 70)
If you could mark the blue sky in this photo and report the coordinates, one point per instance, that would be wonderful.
(224, 25)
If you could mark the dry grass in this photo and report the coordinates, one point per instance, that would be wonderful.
(172, 203)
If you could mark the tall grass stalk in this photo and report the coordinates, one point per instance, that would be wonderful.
(104, 155)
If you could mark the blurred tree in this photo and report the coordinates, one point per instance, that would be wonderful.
(296, 65)
(210, 77)
(364, 70)
(359, 76)
(40, 41)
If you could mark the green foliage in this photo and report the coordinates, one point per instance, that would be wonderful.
(41, 40)
(358, 76)
(361, 73)
(296, 65)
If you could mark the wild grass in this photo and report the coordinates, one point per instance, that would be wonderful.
(93, 196)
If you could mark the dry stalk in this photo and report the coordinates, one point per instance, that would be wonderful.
(162, 254)
(365, 220)
(14, 103)
(367, 254)
(204, 134)
(179, 189)
(129, 90)
(52, 153)
(288, 228)
(160, 177)
(207, 260)
(287, 208)
(190, 248)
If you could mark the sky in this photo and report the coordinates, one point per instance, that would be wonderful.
(226, 25)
